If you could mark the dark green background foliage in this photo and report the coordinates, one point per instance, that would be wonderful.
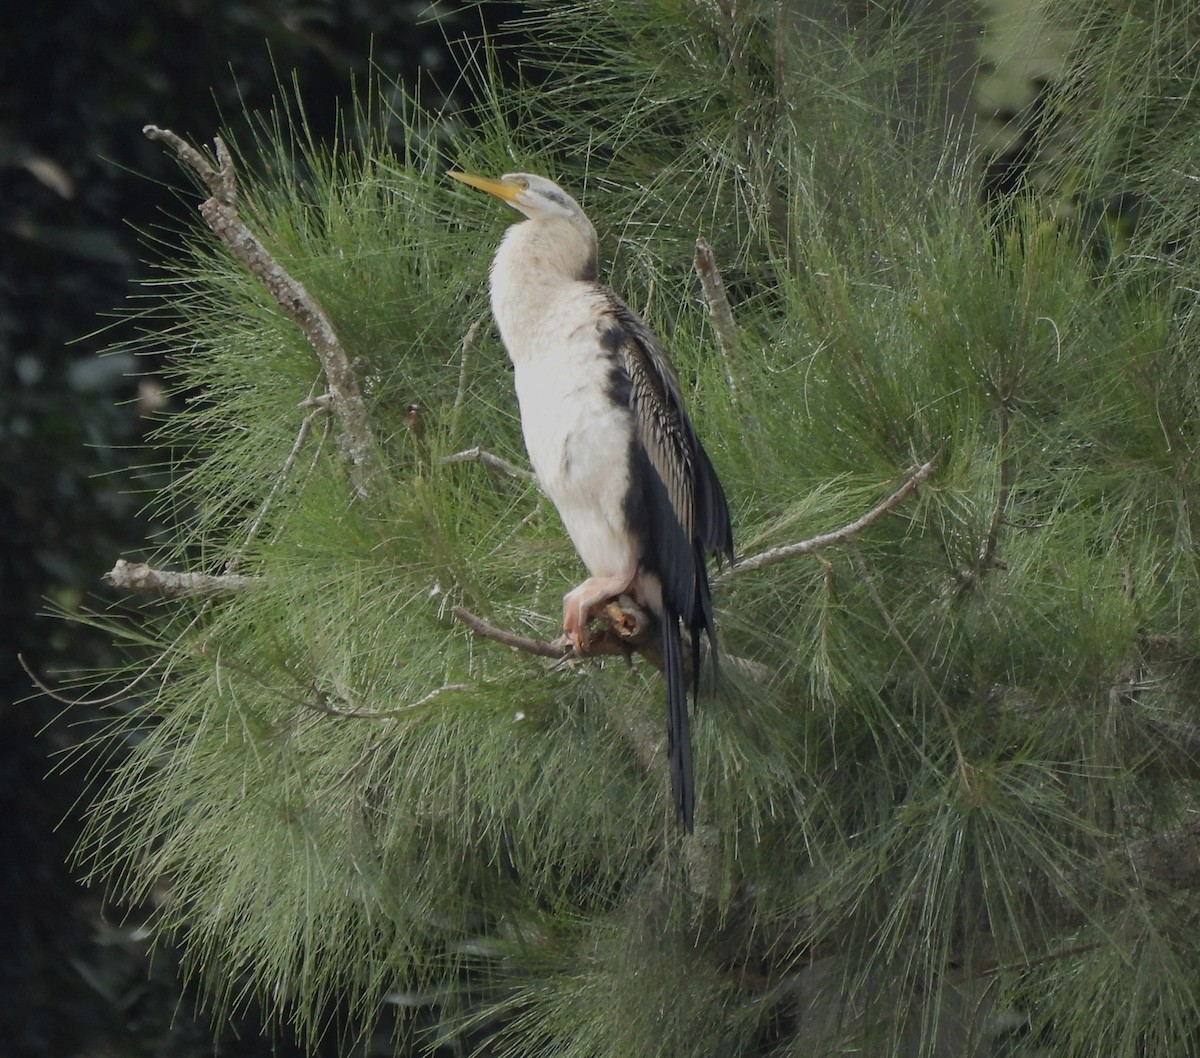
(948, 761)
(77, 179)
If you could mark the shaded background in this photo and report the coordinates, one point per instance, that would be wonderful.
(77, 182)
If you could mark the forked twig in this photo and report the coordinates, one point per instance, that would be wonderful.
(319, 406)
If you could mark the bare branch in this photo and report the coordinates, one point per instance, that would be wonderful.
(718, 308)
(464, 361)
(773, 556)
(141, 577)
(221, 214)
(491, 461)
(524, 644)
(628, 628)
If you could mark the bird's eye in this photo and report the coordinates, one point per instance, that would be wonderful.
(522, 183)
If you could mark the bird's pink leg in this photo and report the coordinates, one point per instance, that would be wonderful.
(581, 603)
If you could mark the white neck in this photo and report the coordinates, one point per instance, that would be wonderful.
(536, 262)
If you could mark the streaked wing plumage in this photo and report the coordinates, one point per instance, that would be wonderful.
(693, 491)
(680, 512)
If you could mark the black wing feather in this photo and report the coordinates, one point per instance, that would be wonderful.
(678, 509)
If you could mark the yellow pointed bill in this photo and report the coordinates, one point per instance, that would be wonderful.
(505, 189)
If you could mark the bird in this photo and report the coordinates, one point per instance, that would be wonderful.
(610, 442)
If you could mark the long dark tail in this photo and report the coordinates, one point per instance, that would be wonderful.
(679, 734)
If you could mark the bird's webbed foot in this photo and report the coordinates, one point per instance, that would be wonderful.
(581, 604)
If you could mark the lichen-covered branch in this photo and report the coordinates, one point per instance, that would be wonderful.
(220, 212)
(172, 584)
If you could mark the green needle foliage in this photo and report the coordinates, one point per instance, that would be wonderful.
(947, 775)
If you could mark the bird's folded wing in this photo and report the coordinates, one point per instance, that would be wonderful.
(684, 505)
(693, 490)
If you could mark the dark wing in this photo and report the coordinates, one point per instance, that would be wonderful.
(687, 513)
(677, 509)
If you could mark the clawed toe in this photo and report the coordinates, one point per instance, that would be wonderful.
(574, 638)
(584, 602)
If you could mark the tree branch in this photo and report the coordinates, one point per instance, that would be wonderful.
(491, 461)
(773, 556)
(509, 639)
(628, 628)
(220, 212)
(171, 584)
(718, 309)
(464, 362)
(321, 705)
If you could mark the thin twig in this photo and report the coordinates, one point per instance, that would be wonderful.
(773, 556)
(963, 765)
(124, 692)
(323, 706)
(510, 639)
(321, 406)
(220, 212)
(718, 309)
(172, 584)
(317, 701)
(491, 461)
(464, 361)
(987, 550)
(628, 627)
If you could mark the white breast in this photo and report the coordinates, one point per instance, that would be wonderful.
(578, 443)
(578, 440)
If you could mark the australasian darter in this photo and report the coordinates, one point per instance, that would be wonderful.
(608, 437)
